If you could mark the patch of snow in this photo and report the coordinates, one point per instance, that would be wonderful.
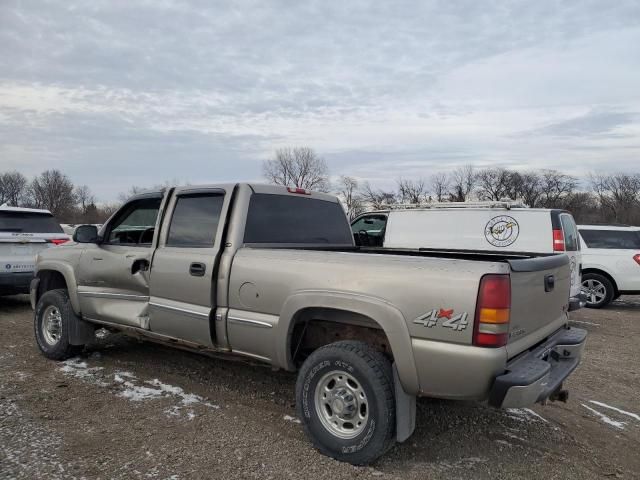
(291, 419)
(585, 323)
(623, 412)
(525, 414)
(138, 393)
(77, 368)
(605, 419)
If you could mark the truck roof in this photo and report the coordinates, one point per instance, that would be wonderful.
(256, 187)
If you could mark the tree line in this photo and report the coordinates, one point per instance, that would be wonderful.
(602, 198)
(54, 191)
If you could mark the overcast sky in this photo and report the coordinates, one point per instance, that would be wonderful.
(116, 93)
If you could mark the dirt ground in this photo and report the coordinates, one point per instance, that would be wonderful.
(133, 410)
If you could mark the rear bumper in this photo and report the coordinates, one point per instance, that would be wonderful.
(577, 302)
(537, 375)
(15, 282)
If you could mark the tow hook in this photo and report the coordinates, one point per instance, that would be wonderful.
(559, 395)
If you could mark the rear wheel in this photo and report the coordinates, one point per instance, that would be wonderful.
(52, 320)
(345, 398)
(598, 288)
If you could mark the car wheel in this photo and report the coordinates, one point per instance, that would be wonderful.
(598, 288)
(345, 398)
(52, 319)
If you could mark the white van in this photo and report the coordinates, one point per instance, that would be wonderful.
(24, 232)
(482, 226)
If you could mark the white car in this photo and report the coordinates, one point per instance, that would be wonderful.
(611, 262)
(483, 226)
(23, 233)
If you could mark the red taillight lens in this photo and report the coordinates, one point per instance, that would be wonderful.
(493, 310)
(637, 258)
(58, 241)
(558, 241)
(299, 191)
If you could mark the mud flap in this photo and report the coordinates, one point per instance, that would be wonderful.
(405, 410)
(80, 332)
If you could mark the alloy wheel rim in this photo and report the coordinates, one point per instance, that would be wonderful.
(52, 325)
(595, 290)
(341, 404)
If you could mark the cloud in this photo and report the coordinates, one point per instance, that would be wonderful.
(176, 89)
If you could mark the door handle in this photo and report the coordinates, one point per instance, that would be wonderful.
(549, 283)
(197, 269)
(140, 265)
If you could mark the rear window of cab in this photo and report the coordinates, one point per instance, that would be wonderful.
(296, 220)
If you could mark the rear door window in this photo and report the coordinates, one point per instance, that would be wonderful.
(195, 221)
(28, 222)
(296, 220)
(571, 242)
(611, 239)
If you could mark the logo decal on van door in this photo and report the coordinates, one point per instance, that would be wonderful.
(502, 231)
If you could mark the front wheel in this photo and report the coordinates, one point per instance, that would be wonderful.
(345, 398)
(52, 320)
(598, 288)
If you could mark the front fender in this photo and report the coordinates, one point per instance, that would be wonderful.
(66, 270)
(385, 314)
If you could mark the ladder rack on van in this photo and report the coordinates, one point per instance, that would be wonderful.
(507, 204)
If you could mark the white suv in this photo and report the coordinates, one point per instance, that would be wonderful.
(610, 262)
(23, 233)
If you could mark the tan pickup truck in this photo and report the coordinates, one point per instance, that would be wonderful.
(273, 274)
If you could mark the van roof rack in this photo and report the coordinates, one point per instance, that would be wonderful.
(507, 204)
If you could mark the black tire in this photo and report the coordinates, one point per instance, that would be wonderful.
(52, 301)
(372, 371)
(601, 282)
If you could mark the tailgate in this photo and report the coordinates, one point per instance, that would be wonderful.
(539, 300)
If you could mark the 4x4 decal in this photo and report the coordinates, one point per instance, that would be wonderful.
(455, 322)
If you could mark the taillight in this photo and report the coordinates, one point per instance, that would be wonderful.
(493, 310)
(637, 258)
(558, 240)
(57, 241)
(299, 191)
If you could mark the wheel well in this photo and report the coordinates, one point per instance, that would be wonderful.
(313, 328)
(50, 280)
(604, 274)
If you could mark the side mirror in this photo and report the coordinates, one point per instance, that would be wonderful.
(86, 234)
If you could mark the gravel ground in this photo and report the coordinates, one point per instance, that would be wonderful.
(127, 409)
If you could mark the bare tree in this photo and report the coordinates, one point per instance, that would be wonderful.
(529, 188)
(619, 194)
(297, 167)
(350, 196)
(376, 198)
(463, 182)
(52, 190)
(440, 184)
(13, 186)
(84, 198)
(411, 191)
(554, 187)
(493, 183)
